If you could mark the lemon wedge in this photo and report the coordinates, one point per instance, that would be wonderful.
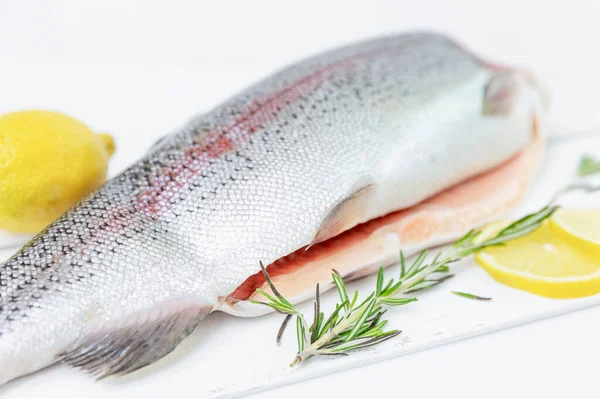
(544, 263)
(578, 227)
(48, 162)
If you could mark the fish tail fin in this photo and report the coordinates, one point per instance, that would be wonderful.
(123, 346)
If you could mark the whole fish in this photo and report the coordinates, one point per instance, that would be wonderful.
(336, 162)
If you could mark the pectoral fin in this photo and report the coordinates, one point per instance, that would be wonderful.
(346, 214)
(502, 93)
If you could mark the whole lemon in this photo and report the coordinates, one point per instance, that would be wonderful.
(48, 161)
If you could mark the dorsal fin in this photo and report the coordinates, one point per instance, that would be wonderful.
(346, 214)
(123, 346)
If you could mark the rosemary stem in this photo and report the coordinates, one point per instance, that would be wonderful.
(313, 348)
(410, 282)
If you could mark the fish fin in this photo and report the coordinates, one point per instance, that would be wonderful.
(502, 93)
(135, 341)
(346, 214)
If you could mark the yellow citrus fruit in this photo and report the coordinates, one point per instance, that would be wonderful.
(578, 227)
(543, 263)
(48, 161)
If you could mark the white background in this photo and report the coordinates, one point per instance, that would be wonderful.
(140, 69)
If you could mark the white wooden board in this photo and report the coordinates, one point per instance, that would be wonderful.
(228, 356)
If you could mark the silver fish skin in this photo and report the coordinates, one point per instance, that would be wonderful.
(119, 280)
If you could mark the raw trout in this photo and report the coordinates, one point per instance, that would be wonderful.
(336, 162)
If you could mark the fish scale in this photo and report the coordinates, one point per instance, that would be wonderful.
(332, 142)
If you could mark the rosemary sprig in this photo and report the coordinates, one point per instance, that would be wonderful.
(353, 325)
(471, 296)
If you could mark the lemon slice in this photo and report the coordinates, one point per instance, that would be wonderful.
(578, 227)
(543, 263)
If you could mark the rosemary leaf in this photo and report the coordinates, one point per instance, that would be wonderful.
(282, 329)
(397, 301)
(392, 289)
(379, 286)
(381, 325)
(388, 285)
(402, 265)
(526, 222)
(371, 333)
(354, 298)
(471, 296)
(341, 287)
(269, 297)
(317, 314)
(416, 266)
(276, 306)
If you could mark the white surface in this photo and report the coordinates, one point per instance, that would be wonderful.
(140, 69)
(237, 356)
